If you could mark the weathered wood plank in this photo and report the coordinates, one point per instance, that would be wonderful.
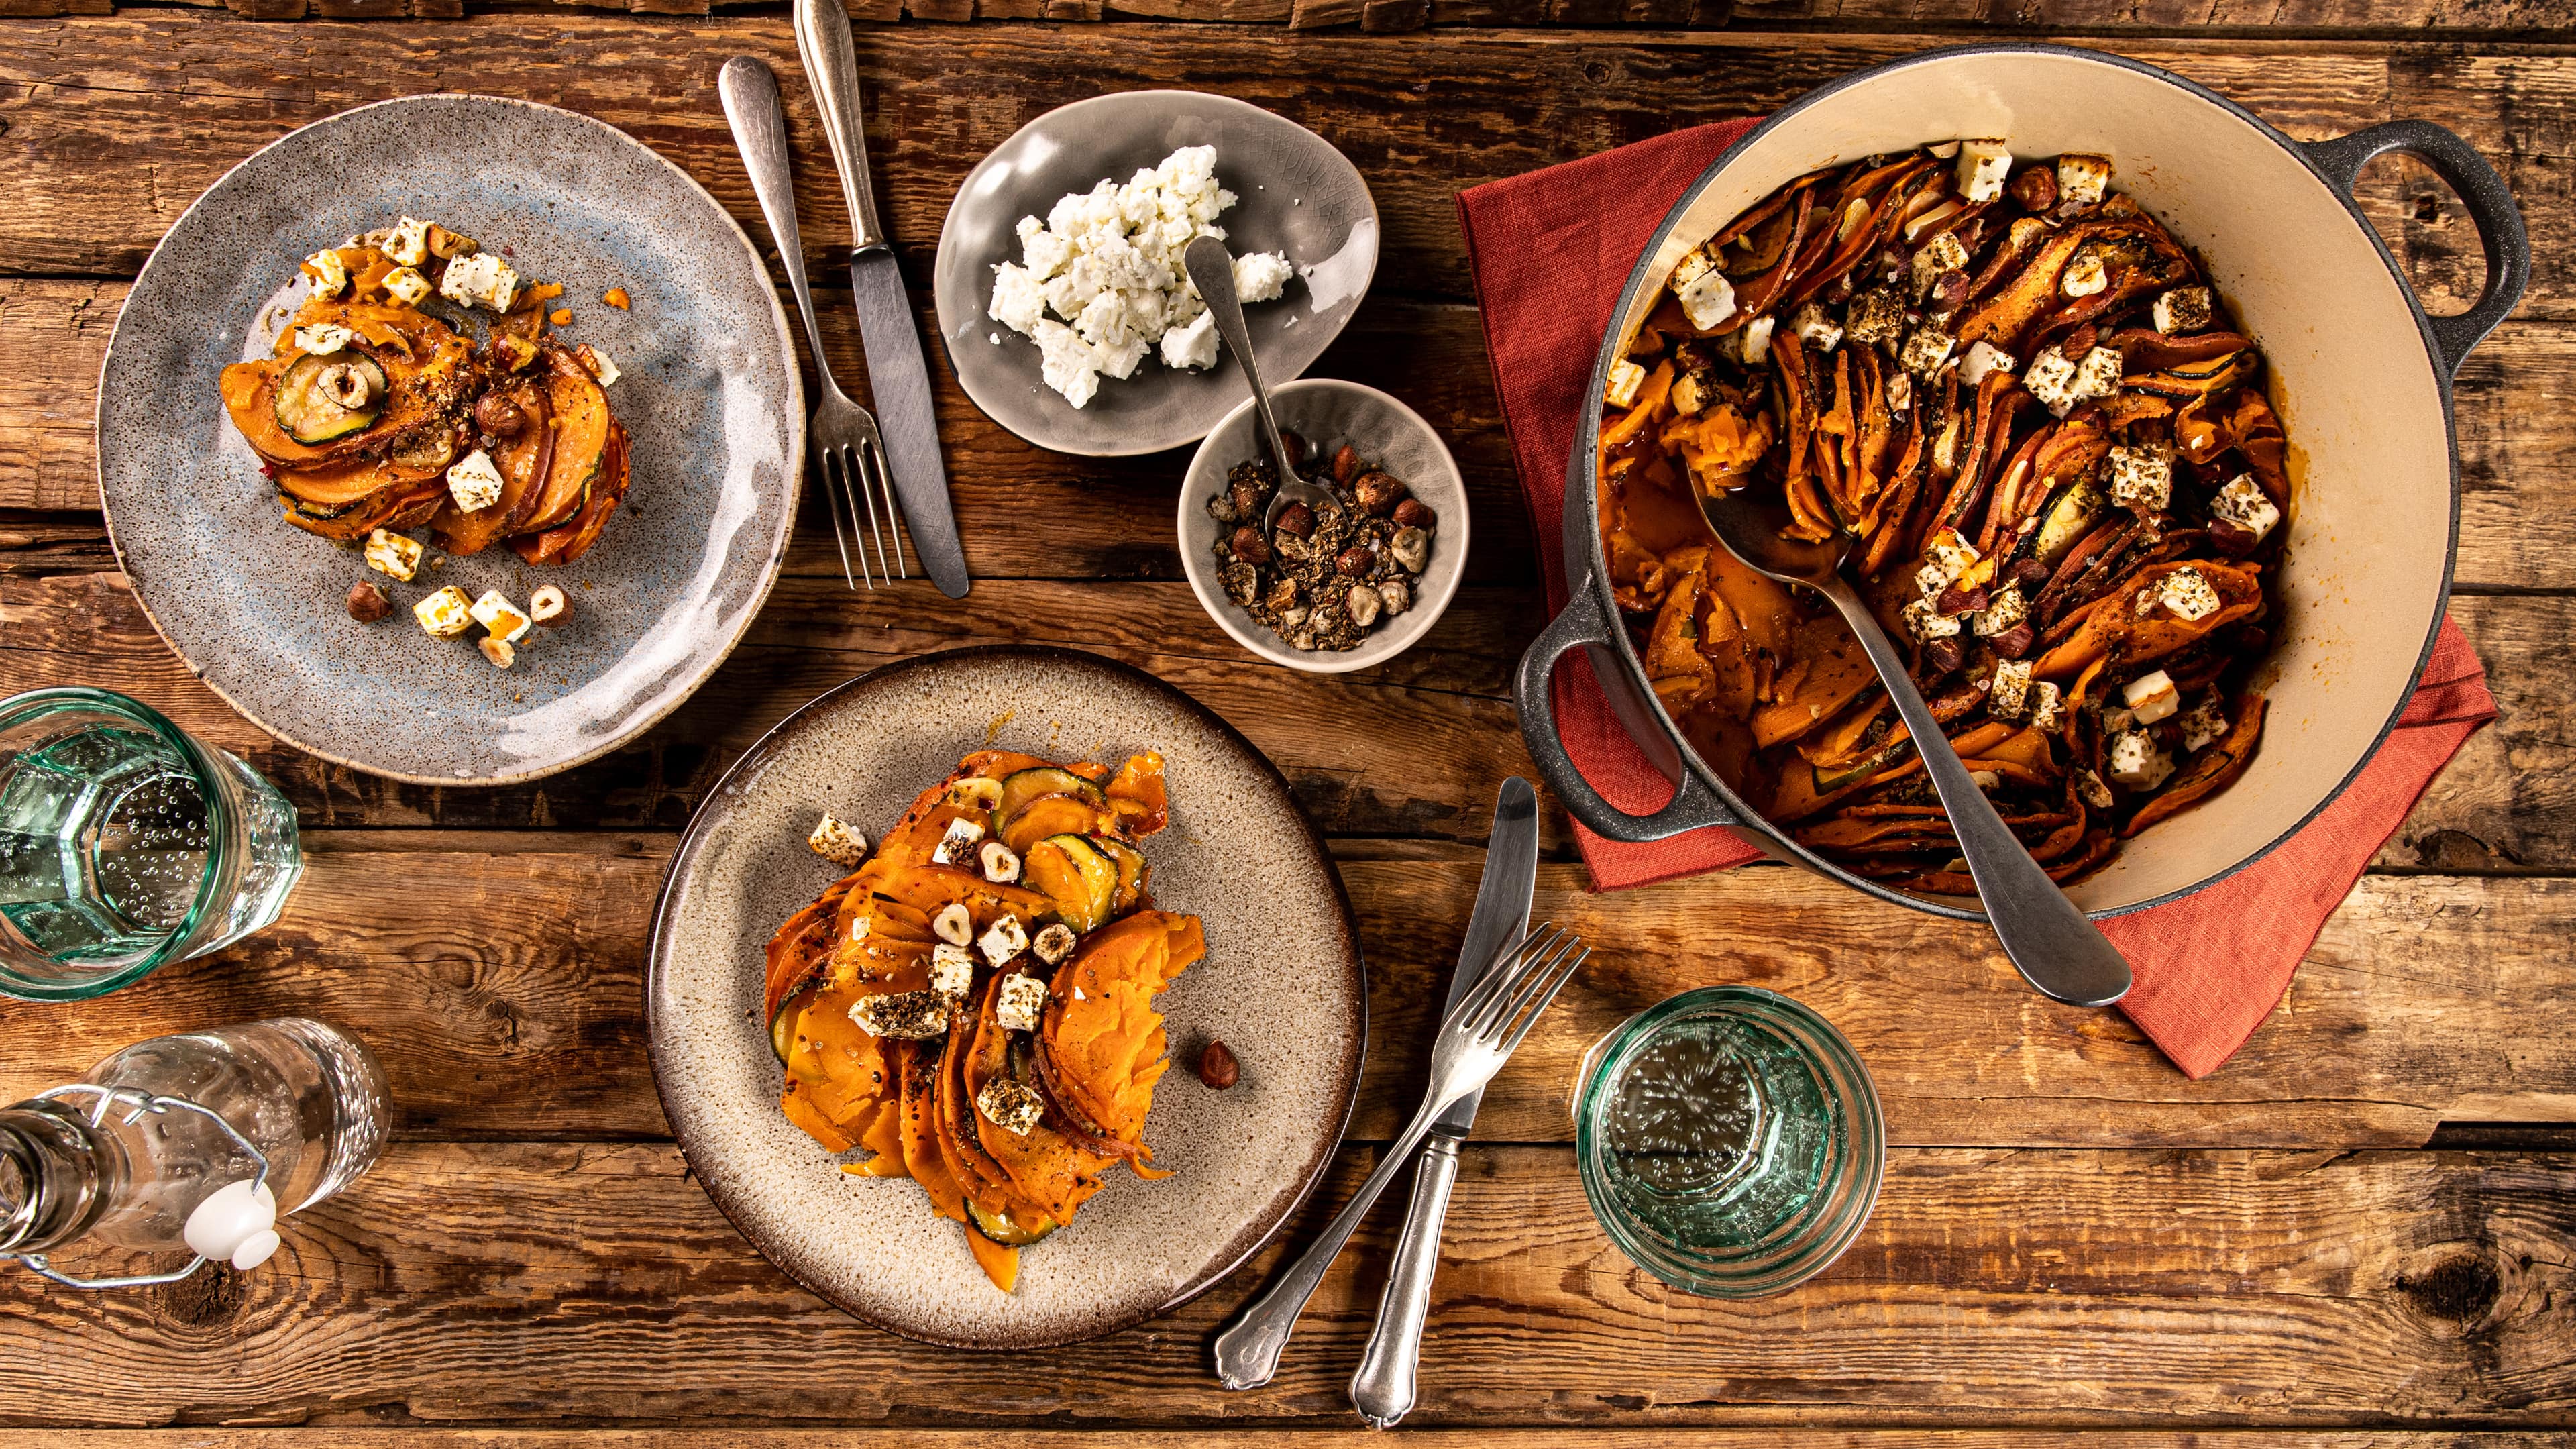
(1307, 1437)
(117, 123)
(1989, 20)
(511, 1007)
(499, 1283)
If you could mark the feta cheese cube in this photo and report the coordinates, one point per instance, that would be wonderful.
(952, 970)
(409, 245)
(445, 614)
(393, 554)
(480, 280)
(1261, 276)
(1055, 943)
(2002, 611)
(1010, 1104)
(2090, 789)
(2009, 695)
(2048, 706)
(330, 275)
(835, 842)
(598, 363)
(2051, 379)
(1752, 341)
(2081, 178)
(1944, 253)
(1927, 624)
(954, 924)
(2244, 504)
(1983, 166)
(2084, 274)
(1019, 1001)
(1625, 378)
(2141, 478)
(1003, 941)
(1815, 329)
(1192, 345)
(1708, 300)
(2204, 724)
(495, 612)
(1926, 349)
(1982, 358)
(406, 286)
(1877, 315)
(322, 338)
(2152, 697)
(1001, 863)
(2098, 375)
(957, 843)
(474, 482)
(2186, 595)
(2137, 762)
(2184, 309)
(1950, 554)
(903, 1016)
(1694, 265)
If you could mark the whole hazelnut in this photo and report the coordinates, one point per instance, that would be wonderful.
(1294, 446)
(1414, 513)
(1948, 291)
(1941, 656)
(2232, 541)
(1377, 494)
(1218, 1068)
(499, 416)
(2029, 571)
(1247, 499)
(1249, 545)
(1347, 464)
(1297, 519)
(367, 603)
(1355, 561)
(1956, 600)
(2035, 188)
(2014, 642)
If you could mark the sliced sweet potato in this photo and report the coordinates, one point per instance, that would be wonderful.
(917, 1067)
(811, 1120)
(1000, 1264)
(2210, 771)
(1046, 1168)
(1105, 1037)
(1049, 815)
(1138, 794)
(578, 407)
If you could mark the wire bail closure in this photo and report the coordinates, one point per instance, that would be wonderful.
(108, 1098)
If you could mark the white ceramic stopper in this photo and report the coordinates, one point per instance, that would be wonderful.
(234, 1222)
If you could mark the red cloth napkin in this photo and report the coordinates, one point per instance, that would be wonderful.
(1550, 251)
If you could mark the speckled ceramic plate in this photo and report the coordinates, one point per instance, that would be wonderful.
(1282, 985)
(709, 397)
(1297, 195)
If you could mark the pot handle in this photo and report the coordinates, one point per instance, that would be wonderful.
(1585, 623)
(2490, 204)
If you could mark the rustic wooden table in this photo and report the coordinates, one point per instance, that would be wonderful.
(2365, 1222)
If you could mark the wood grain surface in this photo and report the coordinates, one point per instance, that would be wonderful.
(2357, 1233)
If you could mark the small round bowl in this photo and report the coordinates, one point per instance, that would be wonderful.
(1327, 413)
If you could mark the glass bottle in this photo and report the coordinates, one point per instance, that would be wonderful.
(92, 1165)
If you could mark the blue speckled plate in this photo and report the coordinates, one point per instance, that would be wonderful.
(709, 396)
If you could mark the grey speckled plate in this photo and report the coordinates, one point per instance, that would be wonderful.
(1296, 193)
(709, 396)
(1282, 984)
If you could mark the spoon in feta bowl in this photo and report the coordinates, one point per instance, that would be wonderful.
(1211, 270)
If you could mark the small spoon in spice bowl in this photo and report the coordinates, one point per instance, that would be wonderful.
(1211, 270)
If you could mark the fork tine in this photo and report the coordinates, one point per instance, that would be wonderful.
(1475, 1010)
(873, 481)
(823, 471)
(1530, 977)
(1538, 1008)
(854, 483)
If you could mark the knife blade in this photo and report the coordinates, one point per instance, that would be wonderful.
(898, 373)
(1383, 1389)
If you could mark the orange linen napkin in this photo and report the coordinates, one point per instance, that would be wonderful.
(1550, 251)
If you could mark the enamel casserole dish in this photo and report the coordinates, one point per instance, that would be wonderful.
(2360, 376)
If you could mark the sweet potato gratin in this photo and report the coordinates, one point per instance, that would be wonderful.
(974, 1003)
(2063, 483)
(374, 417)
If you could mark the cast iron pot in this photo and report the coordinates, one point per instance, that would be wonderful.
(2361, 377)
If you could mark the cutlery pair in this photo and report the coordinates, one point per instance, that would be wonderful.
(1490, 1008)
(859, 460)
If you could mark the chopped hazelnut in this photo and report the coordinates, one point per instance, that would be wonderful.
(498, 650)
(1297, 520)
(1355, 560)
(549, 607)
(1249, 545)
(499, 416)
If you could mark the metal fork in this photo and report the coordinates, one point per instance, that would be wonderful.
(1474, 1042)
(843, 435)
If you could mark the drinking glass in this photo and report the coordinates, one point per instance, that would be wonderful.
(125, 844)
(1729, 1141)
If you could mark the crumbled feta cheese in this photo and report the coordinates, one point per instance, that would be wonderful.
(1983, 165)
(2009, 695)
(1193, 345)
(1753, 339)
(2136, 761)
(957, 842)
(2084, 274)
(479, 280)
(2048, 706)
(406, 286)
(1927, 624)
(598, 363)
(2204, 724)
(1625, 378)
(409, 245)
(1708, 300)
(1982, 358)
(838, 843)
(2186, 595)
(1010, 1104)
(330, 275)
(495, 612)
(2151, 697)
(1003, 941)
(1055, 943)
(1018, 1002)
(1877, 315)
(2184, 309)
(1001, 863)
(903, 1016)
(322, 338)
(1694, 265)
(952, 970)
(1947, 558)
(1261, 276)
(2051, 379)
(2098, 375)
(473, 482)
(1815, 329)
(2090, 789)
(2244, 504)
(2141, 478)
(1018, 302)
(954, 924)
(1066, 363)
(1944, 253)
(1926, 349)
(445, 614)
(1986, 780)
(392, 553)
(2081, 178)
(2005, 609)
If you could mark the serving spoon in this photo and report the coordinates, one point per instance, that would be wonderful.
(2047, 939)
(1211, 269)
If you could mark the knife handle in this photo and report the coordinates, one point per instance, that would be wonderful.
(831, 57)
(1383, 1388)
(759, 124)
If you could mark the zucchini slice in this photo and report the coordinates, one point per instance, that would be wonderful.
(1073, 874)
(2071, 515)
(307, 409)
(782, 1025)
(1131, 870)
(1022, 786)
(1005, 1230)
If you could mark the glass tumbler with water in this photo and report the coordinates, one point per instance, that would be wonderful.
(125, 844)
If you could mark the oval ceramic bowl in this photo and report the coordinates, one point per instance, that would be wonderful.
(709, 396)
(1282, 984)
(1327, 413)
(1295, 194)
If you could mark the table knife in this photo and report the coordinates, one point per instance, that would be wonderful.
(898, 374)
(1383, 1389)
